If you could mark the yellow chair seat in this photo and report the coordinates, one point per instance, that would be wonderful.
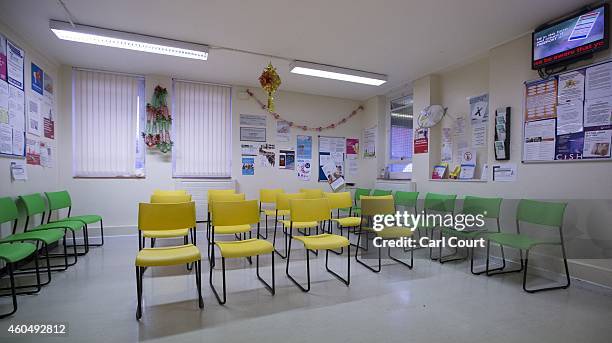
(272, 213)
(348, 221)
(299, 225)
(231, 229)
(167, 256)
(323, 241)
(165, 233)
(248, 247)
(394, 232)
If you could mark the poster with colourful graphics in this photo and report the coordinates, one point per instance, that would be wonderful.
(2, 58)
(248, 165)
(37, 79)
(352, 146)
(15, 57)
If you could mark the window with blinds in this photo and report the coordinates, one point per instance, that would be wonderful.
(106, 124)
(201, 129)
(400, 152)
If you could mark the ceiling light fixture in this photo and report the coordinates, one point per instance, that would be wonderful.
(127, 40)
(337, 73)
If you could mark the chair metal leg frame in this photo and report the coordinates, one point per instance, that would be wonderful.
(399, 260)
(9, 266)
(25, 271)
(65, 255)
(185, 241)
(271, 288)
(13, 288)
(490, 270)
(357, 253)
(85, 239)
(307, 268)
(451, 257)
(346, 281)
(259, 235)
(274, 243)
(502, 270)
(433, 232)
(535, 290)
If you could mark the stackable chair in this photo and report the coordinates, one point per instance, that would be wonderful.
(315, 210)
(436, 203)
(170, 216)
(356, 209)
(11, 254)
(61, 200)
(168, 198)
(312, 193)
(545, 215)
(338, 201)
(489, 208)
(34, 204)
(268, 197)
(239, 213)
(381, 192)
(283, 206)
(381, 205)
(406, 200)
(170, 192)
(239, 231)
(209, 194)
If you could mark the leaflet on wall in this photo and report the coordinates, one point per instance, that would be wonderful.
(539, 140)
(598, 112)
(571, 88)
(303, 167)
(597, 143)
(248, 149)
(6, 139)
(4, 102)
(504, 172)
(283, 131)
(304, 147)
(569, 146)
(37, 78)
(421, 141)
(286, 159)
(598, 81)
(352, 159)
(569, 118)
(32, 151)
(253, 134)
(267, 155)
(2, 57)
(331, 166)
(16, 108)
(18, 142)
(35, 125)
(19, 170)
(332, 144)
(541, 100)
(479, 135)
(248, 165)
(369, 142)
(48, 86)
(479, 108)
(252, 120)
(15, 57)
(446, 151)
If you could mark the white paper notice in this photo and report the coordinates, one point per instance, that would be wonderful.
(35, 125)
(6, 139)
(18, 142)
(14, 65)
(283, 131)
(504, 173)
(571, 88)
(479, 135)
(4, 103)
(16, 108)
(598, 81)
(598, 112)
(569, 118)
(539, 140)
(597, 143)
(19, 170)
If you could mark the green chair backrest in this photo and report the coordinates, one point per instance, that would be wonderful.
(33, 203)
(488, 207)
(440, 202)
(380, 192)
(359, 192)
(8, 210)
(541, 213)
(58, 200)
(407, 199)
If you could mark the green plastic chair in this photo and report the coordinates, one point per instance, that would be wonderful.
(355, 210)
(34, 204)
(548, 215)
(12, 254)
(61, 200)
(438, 204)
(381, 192)
(489, 208)
(406, 199)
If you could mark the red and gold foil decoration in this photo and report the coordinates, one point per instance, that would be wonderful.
(270, 81)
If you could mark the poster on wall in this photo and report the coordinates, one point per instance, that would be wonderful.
(267, 155)
(32, 151)
(253, 134)
(331, 166)
(352, 159)
(6, 139)
(18, 142)
(539, 140)
(4, 103)
(304, 157)
(248, 149)
(303, 167)
(369, 142)
(2, 58)
(421, 141)
(253, 120)
(48, 86)
(283, 131)
(248, 165)
(446, 151)
(16, 108)
(37, 78)
(286, 159)
(479, 108)
(35, 125)
(541, 100)
(15, 57)
(597, 143)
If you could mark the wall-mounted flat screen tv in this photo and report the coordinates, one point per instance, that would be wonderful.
(569, 39)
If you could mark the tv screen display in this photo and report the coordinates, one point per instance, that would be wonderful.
(583, 33)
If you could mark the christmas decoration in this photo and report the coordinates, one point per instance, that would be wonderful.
(157, 130)
(304, 127)
(270, 81)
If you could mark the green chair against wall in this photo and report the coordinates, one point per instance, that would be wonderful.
(436, 204)
(381, 192)
(61, 200)
(34, 204)
(490, 209)
(406, 200)
(355, 210)
(545, 215)
(12, 254)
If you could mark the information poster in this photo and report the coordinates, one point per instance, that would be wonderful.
(331, 158)
(253, 120)
(15, 58)
(578, 124)
(352, 159)
(369, 142)
(12, 99)
(421, 141)
(283, 131)
(248, 165)
(286, 159)
(304, 157)
(479, 108)
(2, 58)
(37, 79)
(267, 155)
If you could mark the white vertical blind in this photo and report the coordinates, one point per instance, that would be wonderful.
(105, 124)
(202, 130)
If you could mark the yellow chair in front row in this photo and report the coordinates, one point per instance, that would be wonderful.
(338, 201)
(237, 213)
(282, 210)
(211, 194)
(312, 193)
(381, 205)
(162, 217)
(268, 197)
(317, 210)
(238, 230)
(161, 198)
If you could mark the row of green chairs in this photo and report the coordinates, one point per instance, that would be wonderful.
(19, 247)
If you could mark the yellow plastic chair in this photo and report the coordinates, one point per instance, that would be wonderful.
(308, 210)
(170, 192)
(209, 194)
(338, 201)
(237, 213)
(268, 197)
(163, 217)
(165, 198)
(283, 209)
(237, 230)
(312, 193)
(381, 205)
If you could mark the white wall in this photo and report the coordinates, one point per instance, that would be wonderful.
(39, 179)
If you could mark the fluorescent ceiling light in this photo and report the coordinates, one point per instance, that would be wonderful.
(126, 40)
(337, 73)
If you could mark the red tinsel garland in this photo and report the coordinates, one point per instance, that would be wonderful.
(304, 127)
